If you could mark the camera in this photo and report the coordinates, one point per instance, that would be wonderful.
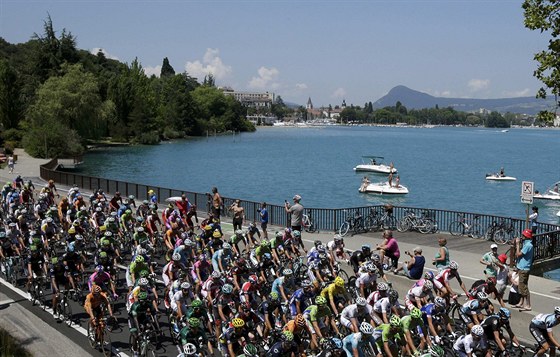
(407, 252)
(258, 209)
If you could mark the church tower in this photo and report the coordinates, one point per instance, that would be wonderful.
(309, 104)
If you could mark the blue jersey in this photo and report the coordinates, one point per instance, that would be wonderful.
(545, 321)
(300, 296)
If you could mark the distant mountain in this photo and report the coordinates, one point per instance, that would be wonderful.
(412, 99)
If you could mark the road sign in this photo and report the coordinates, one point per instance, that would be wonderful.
(527, 192)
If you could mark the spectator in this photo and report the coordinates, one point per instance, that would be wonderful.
(533, 219)
(11, 163)
(524, 254)
(217, 203)
(502, 279)
(490, 260)
(296, 211)
(390, 249)
(263, 213)
(414, 268)
(238, 215)
(441, 260)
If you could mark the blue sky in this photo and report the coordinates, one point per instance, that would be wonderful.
(326, 50)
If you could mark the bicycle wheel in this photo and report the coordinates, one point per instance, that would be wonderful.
(475, 231)
(91, 335)
(343, 275)
(311, 228)
(305, 222)
(489, 235)
(500, 236)
(403, 225)
(368, 223)
(106, 344)
(426, 227)
(66, 311)
(390, 223)
(456, 228)
(344, 228)
(358, 227)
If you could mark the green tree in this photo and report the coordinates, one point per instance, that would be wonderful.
(166, 69)
(544, 15)
(10, 102)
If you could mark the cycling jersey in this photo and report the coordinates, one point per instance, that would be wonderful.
(356, 341)
(299, 296)
(94, 302)
(467, 344)
(366, 279)
(384, 333)
(332, 290)
(473, 307)
(410, 324)
(447, 274)
(545, 321)
(383, 305)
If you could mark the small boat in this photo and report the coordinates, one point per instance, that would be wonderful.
(498, 177)
(558, 213)
(374, 164)
(551, 193)
(383, 188)
(505, 131)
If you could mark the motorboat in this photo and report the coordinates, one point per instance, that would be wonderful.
(498, 177)
(551, 193)
(384, 188)
(558, 213)
(374, 164)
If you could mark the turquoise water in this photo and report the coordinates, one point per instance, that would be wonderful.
(442, 167)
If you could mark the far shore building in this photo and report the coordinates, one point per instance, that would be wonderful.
(324, 113)
(251, 99)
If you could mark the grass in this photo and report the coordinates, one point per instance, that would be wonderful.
(10, 346)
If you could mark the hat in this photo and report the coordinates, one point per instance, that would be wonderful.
(418, 250)
(297, 197)
(502, 258)
(494, 246)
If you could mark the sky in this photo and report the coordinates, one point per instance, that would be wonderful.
(299, 49)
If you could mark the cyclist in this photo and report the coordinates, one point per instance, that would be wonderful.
(102, 278)
(383, 307)
(436, 311)
(222, 258)
(335, 293)
(314, 316)
(413, 323)
(192, 332)
(298, 326)
(466, 344)
(298, 300)
(284, 285)
(140, 313)
(35, 266)
(354, 314)
(447, 274)
(354, 343)
(470, 312)
(367, 280)
(249, 351)
(95, 301)
(336, 248)
(269, 312)
(360, 256)
(331, 347)
(58, 278)
(418, 296)
(233, 337)
(541, 329)
(493, 325)
(388, 337)
(285, 347)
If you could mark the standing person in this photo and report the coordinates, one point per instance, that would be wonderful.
(441, 260)
(390, 179)
(296, 211)
(533, 219)
(414, 268)
(491, 261)
(217, 203)
(502, 279)
(238, 215)
(263, 213)
(11, 163)
(390, 249)
(524, 254)
(397, 181)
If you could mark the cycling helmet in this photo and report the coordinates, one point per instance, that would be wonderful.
(99, 269)
(54, 260)
(366, 328)
(306, 284)
(395, 321)
(360, 301)
(187, 242)
(393, 296)
(2, 234)
(557, 310)
(103, 255)
(366, 248)
(143, 282)
(142, 295)
(189, 349)
(491, 280)
(297, 234)
(453, 265)
(79, 237)
(477, 330)
(176, 257)
(140, 229)
(265, 243)
(337, 342)
(504, 313)
(237, 322)
(128, 211)
(337, 238)
(71, 230)
(339, 282)
(239, 232)
(226, 246)
(287, 230)
(107, 234)
(300, 320)
(139, 259)
(317, 243)
(185, 286)
(111, 219)
(325, 343)
(429, 275)
(217, 234)
(226, 289)
(382, 286)
(196, 303)
(288, 336)
(71, 248)
(273, 295)
(202, 257)
(436, 351)
(428, 285)
(287, 272)
(527, 233)
(416, 313)
(279, 235)
(482, 296)
(216, 274)
(96, 289)
(440, 302)
(144, 273)
(194, 322)
(253, 279)
(320, 300)
(250, 350)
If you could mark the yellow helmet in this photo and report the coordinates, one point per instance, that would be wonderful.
(217, 234)
(72, 230)
(102, 228)
(237, 322)
(338, 281)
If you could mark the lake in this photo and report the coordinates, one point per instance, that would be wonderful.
(443, 167)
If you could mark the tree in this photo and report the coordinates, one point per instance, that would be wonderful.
(10, 103)
(544, 15)
(166, 69)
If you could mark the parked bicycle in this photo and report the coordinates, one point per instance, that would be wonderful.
(462, 227)
(413, 222)
(352, 222)
(376, 221)
(308, 223)
(501, 232)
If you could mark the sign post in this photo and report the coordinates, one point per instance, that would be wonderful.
(527, 193)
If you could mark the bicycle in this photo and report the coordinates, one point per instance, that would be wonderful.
(146, 341)
(308, 223)
(412, 222)
(463, 227)
(63, 307)
(501, 233)
(98, 336)
(37, 291)
(10, 265)
(376, 221)
(354, 223)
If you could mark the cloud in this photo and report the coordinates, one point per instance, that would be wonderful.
(95, 50)
(301, 86)
(152, 70)
(520, 93)
(476, 85)
(211, 64)
(265, 79)
(339, 93)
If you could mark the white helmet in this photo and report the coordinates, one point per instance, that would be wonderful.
(360, 301)
(366, 328)
(477, 330)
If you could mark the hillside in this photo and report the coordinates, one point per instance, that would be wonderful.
(412, 99)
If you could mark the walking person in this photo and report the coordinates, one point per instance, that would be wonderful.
(533, 219)
(263, 213)
(296, 210)
(11, 163)
(524, 253)
(441, 260)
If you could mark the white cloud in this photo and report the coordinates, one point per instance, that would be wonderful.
(95, 50)
(152, 70)
(265, 79)
(301, 86)
(339, 93)
(476, 85)
(211, 64)
(520, 93)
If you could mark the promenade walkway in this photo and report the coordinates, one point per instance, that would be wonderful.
(545, 294)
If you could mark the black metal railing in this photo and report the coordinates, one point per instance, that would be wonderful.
(326, 219)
